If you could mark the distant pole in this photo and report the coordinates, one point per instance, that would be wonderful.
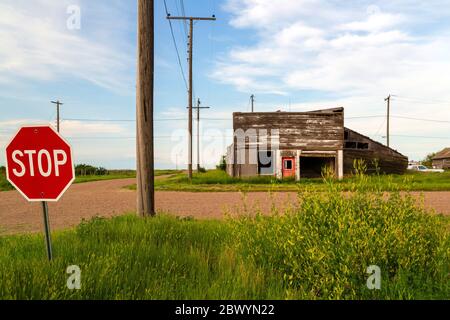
(198, 107)
(191, 53)
(58, 104)
(190, 94)
(252, 98)
(144, 110)
(198, 135)
(388, 99)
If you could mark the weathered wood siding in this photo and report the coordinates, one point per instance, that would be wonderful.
(389, 161)
(442, 164)
(307, 131)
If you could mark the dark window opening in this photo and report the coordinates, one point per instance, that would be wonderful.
(356, 145)
(288, 164)
(312, 167)
(266, 163)
(346, 134)
(363, 145)
(350, 145)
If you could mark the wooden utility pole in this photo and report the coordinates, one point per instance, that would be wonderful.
(252, 98)
(144, 110)
(198, 107)
(388, 99)
(190, 94)
(58, 104)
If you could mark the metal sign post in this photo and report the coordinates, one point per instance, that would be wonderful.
(48, 239)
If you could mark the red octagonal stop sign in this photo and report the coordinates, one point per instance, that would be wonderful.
(39, 163)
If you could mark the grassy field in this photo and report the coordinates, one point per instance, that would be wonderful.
(113, 175)
(122, 174)
(319, 251)
(219, 181)
(6, 186)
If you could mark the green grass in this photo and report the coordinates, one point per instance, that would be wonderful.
(122, 174)
(6, 186)
(113, 175)
(219, 181)
(318, 251)
(92, 178)
(132, 258)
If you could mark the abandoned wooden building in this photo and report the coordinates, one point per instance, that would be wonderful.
(302, 144)
(442, 159)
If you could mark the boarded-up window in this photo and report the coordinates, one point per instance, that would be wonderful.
(363, 145)
(266, 163)
(350, 145)
(356, 145)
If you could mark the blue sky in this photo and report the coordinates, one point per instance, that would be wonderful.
(292, 54)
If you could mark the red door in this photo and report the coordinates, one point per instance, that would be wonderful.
(288, 167)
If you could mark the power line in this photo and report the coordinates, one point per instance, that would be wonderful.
(176, 47)
(133, 137)
(183, 13)
(381, 126)
(364, 117)
(128, 120)
(229, 119)
(400, 117)
(416, 137)
(419, 100)
(99, 120)
(419, 119)
(229, 136)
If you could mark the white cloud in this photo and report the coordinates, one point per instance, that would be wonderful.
(354, 52)
(263, 14)
(36, 44)
(358, 51)
(376, 22)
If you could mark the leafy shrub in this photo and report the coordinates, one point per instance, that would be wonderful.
(201, 170)
(325, 245)
(223, 164)
(4, 184)
(87, 170)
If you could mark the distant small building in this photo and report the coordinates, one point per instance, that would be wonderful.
(442, 159)
(301, 144)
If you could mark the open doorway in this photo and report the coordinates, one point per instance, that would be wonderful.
(311, 167)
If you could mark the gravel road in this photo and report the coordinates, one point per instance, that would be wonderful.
(109, 198)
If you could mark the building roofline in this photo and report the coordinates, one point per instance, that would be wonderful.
(443, 154)
(322, 111)
(376, 142)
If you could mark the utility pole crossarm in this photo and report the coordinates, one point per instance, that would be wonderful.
(213, 18)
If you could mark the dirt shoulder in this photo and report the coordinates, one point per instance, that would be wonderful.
(111, 198)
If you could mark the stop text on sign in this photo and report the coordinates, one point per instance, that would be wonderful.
(39, 163)
(46, 162)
